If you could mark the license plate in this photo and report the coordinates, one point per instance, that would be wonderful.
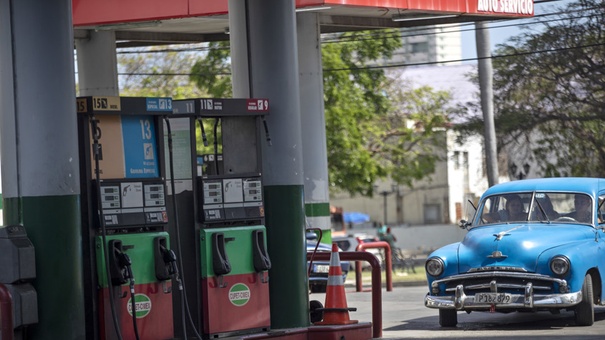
(493, 298)
(322, 268)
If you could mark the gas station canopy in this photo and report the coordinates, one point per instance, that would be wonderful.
(144, 22)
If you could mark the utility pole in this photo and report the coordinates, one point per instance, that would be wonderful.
(384, 195)
(485, 70)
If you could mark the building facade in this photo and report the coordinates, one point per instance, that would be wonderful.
(429, 45)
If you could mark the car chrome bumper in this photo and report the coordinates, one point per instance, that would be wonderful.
(461, 301)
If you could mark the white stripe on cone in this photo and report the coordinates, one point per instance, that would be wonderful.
(335, 280)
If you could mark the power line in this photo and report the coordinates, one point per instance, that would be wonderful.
(389, 65)
(467, 59)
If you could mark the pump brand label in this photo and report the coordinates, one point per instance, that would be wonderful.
(239, 294)
(159, 104)
(142, 305)
(261, 105)
(106, 103)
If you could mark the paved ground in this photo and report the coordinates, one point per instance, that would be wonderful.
(405, 317)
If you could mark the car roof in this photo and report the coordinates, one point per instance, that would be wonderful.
(586, 185)
(321, 247)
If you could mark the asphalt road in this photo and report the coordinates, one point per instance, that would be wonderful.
(405, 317)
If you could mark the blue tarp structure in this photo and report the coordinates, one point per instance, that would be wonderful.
(356, 217)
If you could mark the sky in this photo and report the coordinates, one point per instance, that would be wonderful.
(502, 34)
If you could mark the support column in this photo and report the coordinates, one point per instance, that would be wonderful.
(97, 64)
(272, 62)
(97, 76)
(40, 155)
(313, 124)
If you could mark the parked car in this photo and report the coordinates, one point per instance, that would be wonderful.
(318, 275)
(350, 243)
(549, 257)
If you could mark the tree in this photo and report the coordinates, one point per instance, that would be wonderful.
(413, 139)
(366, 112)
(549, 90)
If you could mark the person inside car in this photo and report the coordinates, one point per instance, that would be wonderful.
(513, 212)
(583, 212)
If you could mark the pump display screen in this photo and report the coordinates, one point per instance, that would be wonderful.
(231, 199)
(127, 203)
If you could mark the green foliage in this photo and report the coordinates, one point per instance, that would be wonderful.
(414, 134)
(354, 103)
(549, 92)
(213, 73)
(156, 72)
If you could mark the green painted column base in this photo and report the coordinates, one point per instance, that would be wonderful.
(53, 224)
(319, 212)
(289, 290)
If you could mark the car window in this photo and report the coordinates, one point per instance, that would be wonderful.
(537, 207)
(506, 208)
(601, 211)
(343, 244)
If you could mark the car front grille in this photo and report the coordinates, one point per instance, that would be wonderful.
(501, 281)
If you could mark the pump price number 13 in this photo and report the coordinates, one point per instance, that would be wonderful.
(139, 146)
(147, 137)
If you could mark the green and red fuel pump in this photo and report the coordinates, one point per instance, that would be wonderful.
(226, 243)
(128, 264)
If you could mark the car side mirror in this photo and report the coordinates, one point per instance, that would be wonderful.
(464, 224)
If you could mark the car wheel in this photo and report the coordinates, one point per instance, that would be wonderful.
(315, 314)
(448, 317)
(585, 309)
(318, 289)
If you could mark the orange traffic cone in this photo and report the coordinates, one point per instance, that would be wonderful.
(335, 311)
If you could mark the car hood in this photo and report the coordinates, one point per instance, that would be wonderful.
(515, 245)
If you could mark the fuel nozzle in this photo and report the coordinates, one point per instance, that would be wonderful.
(126, 263)
(267, 136)
(169, 258)
(204, 138)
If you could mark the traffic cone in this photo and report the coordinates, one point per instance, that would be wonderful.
(335, 311)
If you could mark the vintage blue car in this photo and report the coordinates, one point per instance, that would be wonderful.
(532, 245)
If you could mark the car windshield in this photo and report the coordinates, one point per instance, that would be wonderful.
(541, 207)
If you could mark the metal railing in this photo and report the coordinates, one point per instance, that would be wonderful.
(388, 263)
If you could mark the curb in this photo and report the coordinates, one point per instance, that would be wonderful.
(351, 284)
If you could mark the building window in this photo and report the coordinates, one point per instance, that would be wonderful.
(432, 213)
(456, 159)
(421, 47)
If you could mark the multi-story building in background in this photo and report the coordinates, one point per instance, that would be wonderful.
(429, 44)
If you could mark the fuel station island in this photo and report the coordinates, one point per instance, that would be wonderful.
(161, 220)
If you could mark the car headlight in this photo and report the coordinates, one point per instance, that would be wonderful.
(560, 265)
(434, 266)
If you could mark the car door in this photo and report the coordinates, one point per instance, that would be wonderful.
(601, 237)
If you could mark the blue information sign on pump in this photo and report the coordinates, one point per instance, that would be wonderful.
(159, 104)
(140, 149)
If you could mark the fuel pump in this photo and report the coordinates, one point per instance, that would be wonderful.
(231, 260)
(129, 266)
(17, 270)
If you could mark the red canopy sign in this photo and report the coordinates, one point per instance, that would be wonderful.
(99, 12)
